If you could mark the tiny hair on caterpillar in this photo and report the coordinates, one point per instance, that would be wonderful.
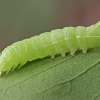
(58, 41)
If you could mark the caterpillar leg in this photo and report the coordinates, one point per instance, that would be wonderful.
(7, 71)
(72, 53)
(63, 55)
(52, 56)
(12, 68)
(84, 51)
(19, 66)
(0, 73)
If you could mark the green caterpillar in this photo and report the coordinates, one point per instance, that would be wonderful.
(49, 44)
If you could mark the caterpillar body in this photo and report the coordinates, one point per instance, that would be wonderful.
(50, 44)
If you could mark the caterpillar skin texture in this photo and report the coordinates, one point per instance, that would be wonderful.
(50, 44)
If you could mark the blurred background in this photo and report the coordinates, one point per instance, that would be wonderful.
(21, 19)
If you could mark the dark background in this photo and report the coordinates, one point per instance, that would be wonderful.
(21, 19)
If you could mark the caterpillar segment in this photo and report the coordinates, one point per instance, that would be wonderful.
(68, 39)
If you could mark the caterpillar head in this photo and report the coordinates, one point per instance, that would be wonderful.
(5, 63)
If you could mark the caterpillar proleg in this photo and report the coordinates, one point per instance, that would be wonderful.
(68, 39)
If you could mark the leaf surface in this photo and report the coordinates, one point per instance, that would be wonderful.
(70, 78)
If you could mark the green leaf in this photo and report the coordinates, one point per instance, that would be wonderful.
(70, 78)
